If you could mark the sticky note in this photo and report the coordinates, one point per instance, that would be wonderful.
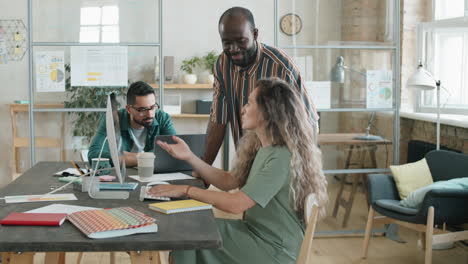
(18, 50)
(18, 36)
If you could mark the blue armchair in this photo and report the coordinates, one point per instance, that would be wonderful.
(440, 206)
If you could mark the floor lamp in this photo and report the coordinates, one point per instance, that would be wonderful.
(423, 80)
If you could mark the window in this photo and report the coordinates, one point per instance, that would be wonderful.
(99, 24)
(444, 52)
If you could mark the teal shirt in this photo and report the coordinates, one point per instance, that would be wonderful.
(162, 125)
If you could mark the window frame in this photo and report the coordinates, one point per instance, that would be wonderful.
(101, 25)
(425, 38)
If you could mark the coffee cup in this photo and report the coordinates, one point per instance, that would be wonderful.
(104, 167)
(145, 164)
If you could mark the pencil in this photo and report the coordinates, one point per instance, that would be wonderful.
(77, 167)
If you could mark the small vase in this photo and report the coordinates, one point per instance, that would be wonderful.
(209, 78)
(190, 78)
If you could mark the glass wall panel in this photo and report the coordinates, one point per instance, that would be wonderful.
(347, 78)
(96, 21)
(337, 22)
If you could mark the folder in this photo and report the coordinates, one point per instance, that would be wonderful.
(179, 206)
(34, 219)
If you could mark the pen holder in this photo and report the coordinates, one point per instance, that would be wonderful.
(85, 183)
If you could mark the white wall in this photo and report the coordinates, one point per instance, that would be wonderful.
(190, 28)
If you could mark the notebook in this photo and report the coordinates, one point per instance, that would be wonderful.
(164, 162)
(35, 219)
(115, 222)
(179, 206)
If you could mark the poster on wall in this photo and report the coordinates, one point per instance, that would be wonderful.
(50, 71)
(379, 89)
(99, 66)
(320, 93)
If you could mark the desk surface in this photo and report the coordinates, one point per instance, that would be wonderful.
(348, 139)
(192, 230)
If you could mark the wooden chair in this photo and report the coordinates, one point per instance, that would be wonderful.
(310, 217)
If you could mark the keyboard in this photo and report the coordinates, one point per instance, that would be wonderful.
(145, 195)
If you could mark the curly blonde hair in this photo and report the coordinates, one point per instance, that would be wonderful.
(287, 123)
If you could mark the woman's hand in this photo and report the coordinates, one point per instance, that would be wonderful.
(169, 190)
(179, 150)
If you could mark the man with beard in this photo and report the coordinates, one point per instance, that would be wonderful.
(243, 61)
(140, 122)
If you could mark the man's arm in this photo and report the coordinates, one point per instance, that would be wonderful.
(96, 143)
(214, 138)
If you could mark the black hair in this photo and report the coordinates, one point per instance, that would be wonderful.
(139, 88)
(238, 11)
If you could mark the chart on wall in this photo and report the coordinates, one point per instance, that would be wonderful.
(50, 71)
(99, 66)
(379, 89)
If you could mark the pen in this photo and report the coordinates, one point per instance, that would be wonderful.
(77, 167)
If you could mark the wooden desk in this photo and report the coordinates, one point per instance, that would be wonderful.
(192, 230)
(40, 142)
(363, 148)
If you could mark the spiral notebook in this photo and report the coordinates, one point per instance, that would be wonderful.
(115, 222)
(179, 206)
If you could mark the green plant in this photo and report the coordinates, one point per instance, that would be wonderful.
(86, 123)
(190, 64)
(209, 60)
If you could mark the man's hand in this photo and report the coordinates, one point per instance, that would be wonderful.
(130, 159)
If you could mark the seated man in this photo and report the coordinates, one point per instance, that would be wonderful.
(140, 122)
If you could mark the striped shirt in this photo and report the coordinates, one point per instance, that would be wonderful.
(233, 84)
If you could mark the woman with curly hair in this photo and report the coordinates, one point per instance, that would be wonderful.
(277, 166)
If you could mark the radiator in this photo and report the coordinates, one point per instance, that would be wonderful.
(418, 149)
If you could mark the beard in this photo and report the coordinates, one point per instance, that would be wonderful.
(248, 56)
(146, 122)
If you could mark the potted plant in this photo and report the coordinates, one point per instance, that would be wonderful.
(85, 124)
(208, 61)
(189, 66)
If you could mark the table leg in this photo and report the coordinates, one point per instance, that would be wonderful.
(54, 258)
(339, 199)
(20, 258)
(144, 257)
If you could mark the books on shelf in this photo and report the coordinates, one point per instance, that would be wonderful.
(179, 206)
(35, 219)
(115, 222)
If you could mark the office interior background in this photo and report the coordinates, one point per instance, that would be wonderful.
(366, 33)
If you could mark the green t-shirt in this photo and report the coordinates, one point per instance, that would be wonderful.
(273, 217)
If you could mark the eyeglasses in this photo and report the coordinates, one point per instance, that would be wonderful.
(143, 110)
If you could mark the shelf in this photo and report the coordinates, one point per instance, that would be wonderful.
(184, 86)
(190, 116)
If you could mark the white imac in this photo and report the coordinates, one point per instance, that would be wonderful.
(114, 141)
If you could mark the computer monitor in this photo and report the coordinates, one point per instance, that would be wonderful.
(115, 143)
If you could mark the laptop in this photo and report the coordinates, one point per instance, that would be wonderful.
(164, 162)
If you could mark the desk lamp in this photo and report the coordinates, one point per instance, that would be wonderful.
(368, 136)
(337, 73)
(424, 80)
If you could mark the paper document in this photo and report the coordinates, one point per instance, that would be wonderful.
(50, 71)
(99, 66)
(163, 177)
(40, 198)
(379, 89)
(61, 209)
(70, 172)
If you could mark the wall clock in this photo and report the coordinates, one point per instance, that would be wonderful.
(291, 24)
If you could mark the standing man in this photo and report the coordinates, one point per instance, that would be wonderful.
(140, 122)
(243, 62)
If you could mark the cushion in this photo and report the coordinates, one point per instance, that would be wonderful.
(411, 176)
(394, 205)
(415, 199)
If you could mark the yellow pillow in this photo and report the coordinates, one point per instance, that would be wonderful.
(411, 176)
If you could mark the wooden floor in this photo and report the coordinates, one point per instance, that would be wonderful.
(342, 250)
